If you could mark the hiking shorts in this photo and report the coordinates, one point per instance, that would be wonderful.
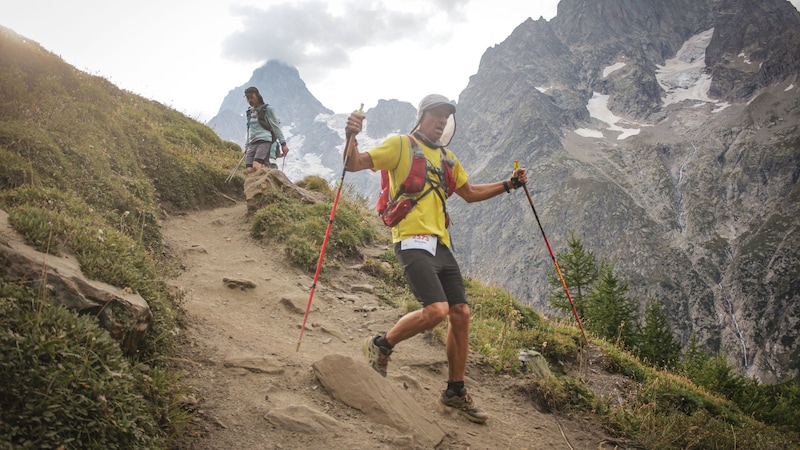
(431, 278)
(257, 151)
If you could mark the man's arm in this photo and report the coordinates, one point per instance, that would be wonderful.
(479, 192)
(355, 160)
(277, 133)
(273, 125)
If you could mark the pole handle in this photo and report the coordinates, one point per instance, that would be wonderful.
(350, 139)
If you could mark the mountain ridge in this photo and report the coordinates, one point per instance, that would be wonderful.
(651, 169)
(641, 190)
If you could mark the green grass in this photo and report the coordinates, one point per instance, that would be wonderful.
(302, 226)
(90, 170)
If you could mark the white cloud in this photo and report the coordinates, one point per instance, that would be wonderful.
(190, 54)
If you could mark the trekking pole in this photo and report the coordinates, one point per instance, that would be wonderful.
(347, 145)
(553, 257)
(230, 177)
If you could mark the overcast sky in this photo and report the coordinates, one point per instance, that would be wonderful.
(190, 54)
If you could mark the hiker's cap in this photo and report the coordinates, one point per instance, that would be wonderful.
(432, 101)
(251, 90)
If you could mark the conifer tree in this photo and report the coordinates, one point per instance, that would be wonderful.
(656, 343)
(609, 312)
(579, 268)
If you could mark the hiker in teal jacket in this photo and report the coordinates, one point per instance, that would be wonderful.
(263, 134)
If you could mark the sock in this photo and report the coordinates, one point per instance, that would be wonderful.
(455, 388)
(381, 342)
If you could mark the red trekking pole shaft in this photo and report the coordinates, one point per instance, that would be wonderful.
(327, 236)
(555, 262)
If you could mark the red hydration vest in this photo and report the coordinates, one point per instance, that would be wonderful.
(393, 210)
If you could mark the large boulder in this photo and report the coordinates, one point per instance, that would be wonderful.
(124, 314)
(260, 182)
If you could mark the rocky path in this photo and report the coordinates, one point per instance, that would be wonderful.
(255, 389)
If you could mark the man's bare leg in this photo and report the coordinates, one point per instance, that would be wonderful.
(416, 322)
(457, 342)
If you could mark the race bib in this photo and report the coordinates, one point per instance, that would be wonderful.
(420, 242)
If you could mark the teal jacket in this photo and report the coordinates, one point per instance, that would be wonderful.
(257, 132)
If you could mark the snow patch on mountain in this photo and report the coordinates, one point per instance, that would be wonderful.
(685, 77)
(612, 68)
(598, 109)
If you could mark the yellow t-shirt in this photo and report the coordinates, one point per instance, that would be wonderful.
(394, 155)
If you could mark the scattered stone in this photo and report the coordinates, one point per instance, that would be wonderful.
(404, 442)
(196, 248)
(189, 400)
(332, 332)
(368, 288)
(255, 364)
(302, 419)
(296, 305)
(234, 283)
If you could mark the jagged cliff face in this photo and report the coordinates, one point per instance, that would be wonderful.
(665, 135)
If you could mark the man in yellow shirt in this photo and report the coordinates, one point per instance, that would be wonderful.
(422, 243)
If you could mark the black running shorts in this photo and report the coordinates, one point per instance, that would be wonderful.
(432, 278)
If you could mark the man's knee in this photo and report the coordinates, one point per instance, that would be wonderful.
(459, 314)
(436, 312)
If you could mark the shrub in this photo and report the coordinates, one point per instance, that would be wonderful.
(91, 400)
(302, 228)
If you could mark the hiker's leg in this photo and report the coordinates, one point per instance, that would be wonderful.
(421, 270)
(249, 156)
(416, 322)
(457, 342)
(262, 153)
(458, 326)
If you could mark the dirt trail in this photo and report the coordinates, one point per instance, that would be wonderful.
(240, 356)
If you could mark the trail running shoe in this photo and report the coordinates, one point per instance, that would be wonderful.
(464, 405)
(377, 357)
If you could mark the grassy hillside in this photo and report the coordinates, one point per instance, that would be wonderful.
(90, 169)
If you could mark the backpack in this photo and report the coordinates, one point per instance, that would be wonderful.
(393, 210)
(261, 115)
